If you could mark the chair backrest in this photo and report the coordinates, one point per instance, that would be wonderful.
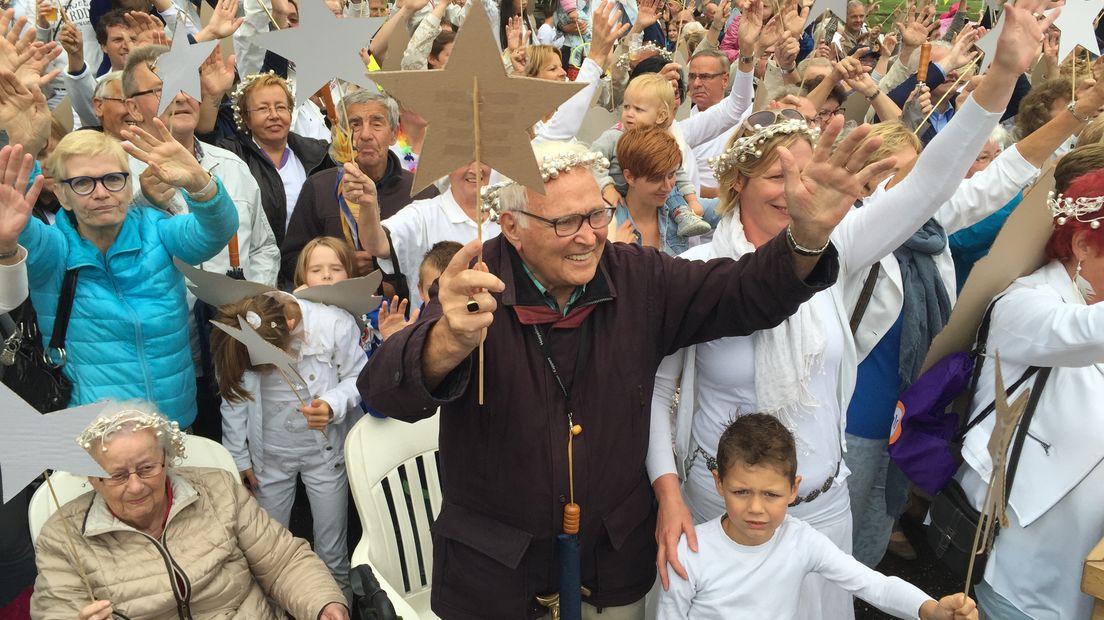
(393, 474)
(198, 452)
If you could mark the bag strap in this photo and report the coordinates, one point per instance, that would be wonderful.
(978, 353)
(864, 297)
(402, 287)
(1021, 432)
(61, 321)
(993, 405)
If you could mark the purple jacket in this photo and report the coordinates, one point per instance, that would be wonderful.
(504, 465)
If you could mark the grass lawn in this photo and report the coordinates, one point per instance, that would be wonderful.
(888, 6)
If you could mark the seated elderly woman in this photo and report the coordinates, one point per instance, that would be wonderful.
(128, 328)
(155, 541)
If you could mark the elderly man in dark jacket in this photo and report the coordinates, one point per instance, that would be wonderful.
(561, 306)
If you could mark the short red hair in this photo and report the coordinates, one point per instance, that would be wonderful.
(1060, 245)
(648, 152)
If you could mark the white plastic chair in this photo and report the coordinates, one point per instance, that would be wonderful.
(393, 475)
(198, 452)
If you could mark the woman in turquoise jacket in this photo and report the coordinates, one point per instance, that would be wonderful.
(128, 330)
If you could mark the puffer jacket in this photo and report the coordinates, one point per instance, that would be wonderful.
(128, 331)
(219, 557)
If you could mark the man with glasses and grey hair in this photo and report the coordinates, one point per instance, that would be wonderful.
(373, 119)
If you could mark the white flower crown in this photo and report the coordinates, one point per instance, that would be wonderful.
(104, 427)
(550, 168)
(748, 147)
(1062, 208)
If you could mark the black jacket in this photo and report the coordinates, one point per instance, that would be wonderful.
(313, 154)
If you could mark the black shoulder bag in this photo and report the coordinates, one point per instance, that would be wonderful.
(32, 372)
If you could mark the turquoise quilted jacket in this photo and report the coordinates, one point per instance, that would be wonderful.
(128, 332)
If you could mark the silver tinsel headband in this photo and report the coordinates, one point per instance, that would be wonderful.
(749, 148)
(1063, 207)
(550, 168)
(105, 427)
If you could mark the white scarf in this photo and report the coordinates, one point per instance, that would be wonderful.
(785, 355)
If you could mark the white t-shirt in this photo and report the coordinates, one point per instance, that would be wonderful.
(729, 580)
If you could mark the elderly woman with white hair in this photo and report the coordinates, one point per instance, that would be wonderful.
(154, 540)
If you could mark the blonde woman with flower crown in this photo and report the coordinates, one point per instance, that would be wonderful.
(156, 541)
(281, 425)
(803, 371)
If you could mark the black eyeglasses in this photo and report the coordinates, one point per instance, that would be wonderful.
(152, 91)
(83, 186)
(570, 224)
(143, 471)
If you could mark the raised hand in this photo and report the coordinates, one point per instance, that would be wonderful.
(647, 14)
(1022, 36)
(393, 321)
(751, 27)
(513, 33)
(793, 17)
(820, 194)
(786, 53)
(171, 163)
(148, 30)
(16, 199)
(962, 51)
(224, 22)
(607, 29)
(23, 113)
(358, 187)
(216, 75)
(32, 71)
(72, 41)
(154, 189)
(460, 327)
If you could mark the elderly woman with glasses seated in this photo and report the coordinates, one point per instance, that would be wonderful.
(127, 331)
(154, 540)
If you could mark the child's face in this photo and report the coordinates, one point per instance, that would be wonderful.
(756, 498)
(643, 111)
(425, 280)
(324, 267)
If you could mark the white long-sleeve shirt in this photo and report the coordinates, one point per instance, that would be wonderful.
(729, 580)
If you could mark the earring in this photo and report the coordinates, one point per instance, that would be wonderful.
(1077, 271)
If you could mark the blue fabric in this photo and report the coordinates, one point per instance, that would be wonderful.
(128, 331)
(970, 245)
(870, 414)
(939, 119)
(673, 245)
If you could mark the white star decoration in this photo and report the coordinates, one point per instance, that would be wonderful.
(323, 47)
(1076, 23)
(179, 67)
(988, 44)
(837, 7)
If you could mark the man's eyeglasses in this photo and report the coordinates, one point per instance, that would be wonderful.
(279, 110)
(142, 93)
(570, 224)
(143, 471)
(826, 115)
(705, 77)
(83, 186)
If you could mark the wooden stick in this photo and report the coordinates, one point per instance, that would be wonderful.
(478, 207)
(977, 537)
(963, 74)
(68, 528)
(269, 13)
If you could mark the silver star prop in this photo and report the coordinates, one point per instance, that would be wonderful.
(179, 67)
(323, 47)
(988, 44)
(837, 7)
(32, 442)
(1076, 24)
(263, 352)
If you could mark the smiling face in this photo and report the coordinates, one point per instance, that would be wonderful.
(102, 210)
(756, 498)
(138, 502)
(559, 263)
(181, 115)
(462, 185)
(763, 209)
(267, 114)
(111, 109)
(552, 69)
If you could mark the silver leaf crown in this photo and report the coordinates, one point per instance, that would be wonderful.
(550, 168)
(625, 59)
(106, 426)
(1062, 208)
(236, 96)
(749, 148)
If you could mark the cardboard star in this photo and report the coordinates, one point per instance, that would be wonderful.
(400, 38)
(988, 44)
(323, 47)
(837, 7)
(356, 295)
(32, 442)
(218, 289)
(1004, 429)
(179, 67)
(508, 108)
(1076, 24)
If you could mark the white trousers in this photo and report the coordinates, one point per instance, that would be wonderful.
(328, 491)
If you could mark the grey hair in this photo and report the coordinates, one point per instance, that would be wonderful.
(713, 53)
(514, 197)
(133, 416)
(856, 3)
(1000, 137)
(812, 61)
(369, 95)
(101, 86)
(145, 55)
(914, 59)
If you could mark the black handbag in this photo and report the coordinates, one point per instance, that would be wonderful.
(32, 372)
(954, 520)
(370, 602)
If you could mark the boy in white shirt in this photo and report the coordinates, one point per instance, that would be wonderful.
(753, 558)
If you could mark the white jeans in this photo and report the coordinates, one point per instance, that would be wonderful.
(328, 491)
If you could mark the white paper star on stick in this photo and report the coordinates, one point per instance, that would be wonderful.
(32, 442)
(1076, 22)
(179, 67)
(988, 44)
(323, 47)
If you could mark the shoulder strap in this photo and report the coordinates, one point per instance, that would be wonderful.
(864, 297)
(1021, 432)
(980, 342)
(64, 309)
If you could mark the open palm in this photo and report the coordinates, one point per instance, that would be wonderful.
(16, 202)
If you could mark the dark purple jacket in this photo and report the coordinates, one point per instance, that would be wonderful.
(504, 465)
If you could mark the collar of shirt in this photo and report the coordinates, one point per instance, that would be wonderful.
(548, 298)
(197, 149)
(283, 158)
(939, 119)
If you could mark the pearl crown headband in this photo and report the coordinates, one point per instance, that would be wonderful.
(550, 168)
(749, 147)
(236, 96)
(104, 427)
(1062, 208)
(626, 59)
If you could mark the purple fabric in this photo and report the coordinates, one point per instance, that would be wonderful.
(923, 429)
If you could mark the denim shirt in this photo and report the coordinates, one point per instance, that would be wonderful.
(673, 245)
